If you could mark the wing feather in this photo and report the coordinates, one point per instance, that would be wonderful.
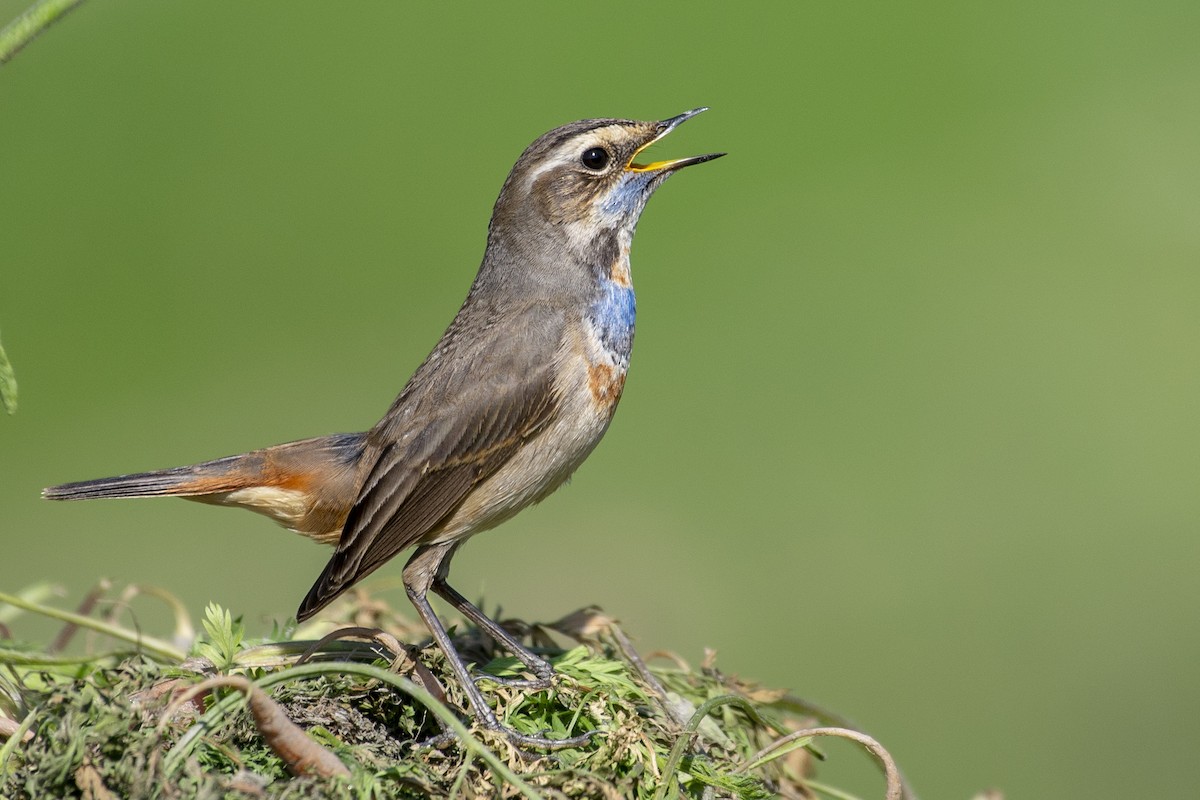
(419, 481)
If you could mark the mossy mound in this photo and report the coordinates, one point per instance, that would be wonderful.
(135, 722)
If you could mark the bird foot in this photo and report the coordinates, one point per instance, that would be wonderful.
(440, 740)
(543, 675)
(523, 741)
(541, 742)
(537, 684)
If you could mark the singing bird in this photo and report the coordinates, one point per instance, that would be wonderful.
(515, 395)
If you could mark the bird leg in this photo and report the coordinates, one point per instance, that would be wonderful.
(427, 565)
(536, 664)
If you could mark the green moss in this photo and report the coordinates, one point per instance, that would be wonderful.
(104, 725)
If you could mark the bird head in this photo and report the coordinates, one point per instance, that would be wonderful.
(584, 180)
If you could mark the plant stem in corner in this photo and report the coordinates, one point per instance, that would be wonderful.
(33, 21)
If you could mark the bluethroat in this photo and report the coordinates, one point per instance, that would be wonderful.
(516, 394)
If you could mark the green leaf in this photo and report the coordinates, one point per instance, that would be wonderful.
(795, 744)
(223, 637)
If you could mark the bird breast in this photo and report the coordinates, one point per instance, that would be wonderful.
(589, 377)
(608, 329)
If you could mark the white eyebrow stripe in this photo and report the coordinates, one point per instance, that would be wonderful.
(569, 150)
(543, 167)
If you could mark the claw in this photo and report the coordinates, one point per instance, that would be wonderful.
(541, 742)
(431, 561)
(433, 742)
(539, 683)
(537, 741)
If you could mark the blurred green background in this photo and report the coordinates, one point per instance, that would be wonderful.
(912, 420)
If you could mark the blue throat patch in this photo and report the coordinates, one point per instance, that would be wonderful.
(613, 315)
(627, 197)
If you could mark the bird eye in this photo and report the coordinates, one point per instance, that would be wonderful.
(595, 158)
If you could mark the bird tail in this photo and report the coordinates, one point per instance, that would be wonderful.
(323, 459)
(220, 475)
(307, 486)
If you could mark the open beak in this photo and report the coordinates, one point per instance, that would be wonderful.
(665, 127)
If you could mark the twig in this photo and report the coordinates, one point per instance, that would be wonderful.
(9, 728)
(469, 742)
(17, 737)
(35, 19)
(302, 754)
(400, 653)
(152, 646)
(84, 608)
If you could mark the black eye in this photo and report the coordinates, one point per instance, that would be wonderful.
(595, 158)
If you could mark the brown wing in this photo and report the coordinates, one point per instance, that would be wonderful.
(421, 478)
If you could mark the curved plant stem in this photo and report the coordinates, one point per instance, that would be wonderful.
(895, 786)
(33, 21)
(830, 719)
(8, 384)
